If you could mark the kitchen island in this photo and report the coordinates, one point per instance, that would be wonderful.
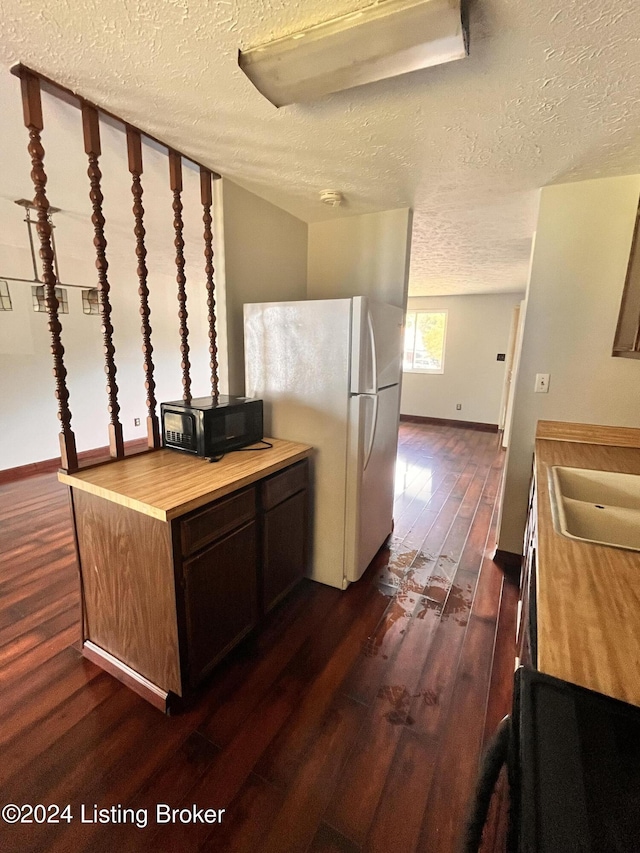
(179, 558)
(587, 596)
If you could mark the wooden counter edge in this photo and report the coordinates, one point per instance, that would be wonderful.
(194, 503)
(542, 500)
(114, 497)
(588, 433)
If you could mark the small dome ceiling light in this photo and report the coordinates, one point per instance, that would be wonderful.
(333, 198)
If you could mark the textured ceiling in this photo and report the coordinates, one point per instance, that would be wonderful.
(549, 93)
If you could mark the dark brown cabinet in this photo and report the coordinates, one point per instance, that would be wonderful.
(525, 640)
(284, 543)
(165, 601)
(284, 502)
(220, 599)
(219, 577)
(526, 652)
(240, 556)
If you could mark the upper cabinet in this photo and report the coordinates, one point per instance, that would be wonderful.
(627, 339)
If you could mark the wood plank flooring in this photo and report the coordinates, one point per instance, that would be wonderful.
(353, 722)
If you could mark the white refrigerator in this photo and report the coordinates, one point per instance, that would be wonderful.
(328, 372)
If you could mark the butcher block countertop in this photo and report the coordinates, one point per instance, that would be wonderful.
(166, 484)
(588, 596)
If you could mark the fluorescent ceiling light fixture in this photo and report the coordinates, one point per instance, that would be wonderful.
(386, 39)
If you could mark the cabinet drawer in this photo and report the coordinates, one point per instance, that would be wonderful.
(216, 520)
(281, 486)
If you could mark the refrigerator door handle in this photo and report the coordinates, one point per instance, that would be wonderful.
(374, 357)
(374, 424)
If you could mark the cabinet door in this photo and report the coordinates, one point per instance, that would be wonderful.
(220, 599)
(526, 630)
(284, 548)
(526, 645)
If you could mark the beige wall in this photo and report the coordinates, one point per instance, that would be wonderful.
(270, 256)
(265, 260)
(364, 255)
(478, 329)
(261, 254)
(577, 275)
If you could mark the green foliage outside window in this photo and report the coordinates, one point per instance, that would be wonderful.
(424, 341)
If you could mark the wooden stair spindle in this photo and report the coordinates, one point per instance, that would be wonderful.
(32, 110)
(175, 176)
(91, 128)
(134, 150)
(207, 200)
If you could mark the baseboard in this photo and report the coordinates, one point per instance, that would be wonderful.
(448, 422)
(125, 674)
(49, 466)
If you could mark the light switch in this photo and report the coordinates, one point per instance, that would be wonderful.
(542, 383)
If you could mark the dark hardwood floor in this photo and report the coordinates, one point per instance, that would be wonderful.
(353, 722)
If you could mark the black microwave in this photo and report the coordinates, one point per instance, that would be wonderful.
(208, 427)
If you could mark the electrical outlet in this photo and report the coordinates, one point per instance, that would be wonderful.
(542, 383)
(458, 406)
(136, 421)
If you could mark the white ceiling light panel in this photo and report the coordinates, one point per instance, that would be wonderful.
(386, 39)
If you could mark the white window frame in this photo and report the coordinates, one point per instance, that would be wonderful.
(435, 370)
(39, 299)
(5, 296)
(91, 301)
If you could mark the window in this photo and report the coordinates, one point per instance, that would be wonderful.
(424, 338)
(37, 293)
(5, 297)
(90, 304)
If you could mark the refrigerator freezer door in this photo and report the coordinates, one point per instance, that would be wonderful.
(373, 441)
(376, 345)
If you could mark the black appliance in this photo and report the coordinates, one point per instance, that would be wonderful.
(577, 768)
(209, 427)
(573, 761)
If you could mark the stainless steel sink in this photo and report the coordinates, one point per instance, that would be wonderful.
(602, 507)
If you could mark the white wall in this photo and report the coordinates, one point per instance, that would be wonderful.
(265, 260)
(478, 328)
(578, 269)
(365, 255)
